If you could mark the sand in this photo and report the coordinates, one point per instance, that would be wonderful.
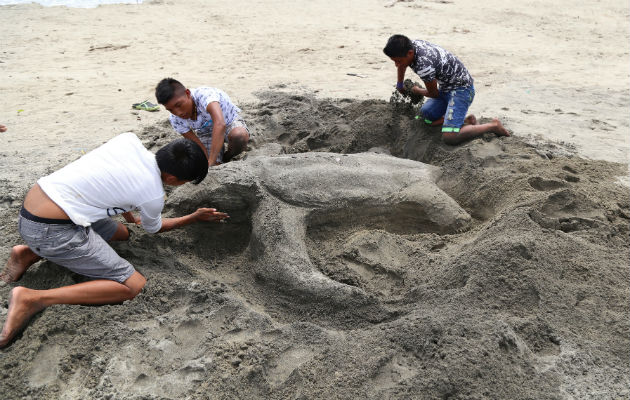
(313, 291)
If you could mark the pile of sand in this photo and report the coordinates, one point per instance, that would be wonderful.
(495, 269)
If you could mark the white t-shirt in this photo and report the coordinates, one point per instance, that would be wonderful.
(119, 176)
(203, 124)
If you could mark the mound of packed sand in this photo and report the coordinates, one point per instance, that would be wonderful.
(495, 269)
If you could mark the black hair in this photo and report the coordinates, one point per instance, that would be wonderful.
(167, 88)
(183, 159)
(397, 46)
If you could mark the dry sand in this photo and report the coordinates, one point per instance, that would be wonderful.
(338, 296)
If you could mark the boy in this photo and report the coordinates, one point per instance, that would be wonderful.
(206, 116)
(65, 218)
(449, 87)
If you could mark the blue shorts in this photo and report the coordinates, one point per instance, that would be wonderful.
(452, 105)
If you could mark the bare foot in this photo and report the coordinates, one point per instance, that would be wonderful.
(20, 259)
(499, 130)
(3, 128)
(470, 120)
(22, 306)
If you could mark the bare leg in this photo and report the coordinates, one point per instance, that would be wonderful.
(24, 303)
(20, 259)
(469, 120)
(472, 131)
(121, 234)
(237, 143)
(438, 122)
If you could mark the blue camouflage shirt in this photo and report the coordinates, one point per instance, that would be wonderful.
(433, 62)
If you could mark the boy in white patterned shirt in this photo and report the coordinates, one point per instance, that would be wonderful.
(206, 116)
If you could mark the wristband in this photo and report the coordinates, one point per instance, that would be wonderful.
(399, 85)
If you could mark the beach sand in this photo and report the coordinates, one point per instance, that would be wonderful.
(528, 299)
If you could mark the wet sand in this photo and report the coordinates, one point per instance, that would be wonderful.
(329, 295)
(517, 288)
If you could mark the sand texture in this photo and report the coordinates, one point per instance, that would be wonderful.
(363, 258)
(409, 270)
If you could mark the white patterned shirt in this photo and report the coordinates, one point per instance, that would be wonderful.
(202, 96)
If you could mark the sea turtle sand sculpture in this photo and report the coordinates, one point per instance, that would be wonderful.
(286, 195)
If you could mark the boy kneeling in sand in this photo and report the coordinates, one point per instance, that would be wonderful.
(449, 87)
(65, 218)
(206, 116)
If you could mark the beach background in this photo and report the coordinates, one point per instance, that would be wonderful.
(311, 76)
(557, 71)
(69, 3)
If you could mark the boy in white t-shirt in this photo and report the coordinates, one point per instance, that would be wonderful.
(206, 116)
(65, 219)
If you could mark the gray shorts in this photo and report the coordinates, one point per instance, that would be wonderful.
(81, 250)
(206, 139)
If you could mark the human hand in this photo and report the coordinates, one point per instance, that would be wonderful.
(210, 215)
(132, 219)
(417, 90)
(400, 86)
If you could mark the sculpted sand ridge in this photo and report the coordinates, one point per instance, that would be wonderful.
(286, 193)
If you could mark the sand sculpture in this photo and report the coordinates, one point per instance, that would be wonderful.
(493, 269)
(287, 194)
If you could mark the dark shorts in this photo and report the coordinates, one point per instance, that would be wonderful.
(80, 249)
(452, 105)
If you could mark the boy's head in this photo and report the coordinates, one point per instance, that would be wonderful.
(174, 97)
(184, 160)
(400, 50)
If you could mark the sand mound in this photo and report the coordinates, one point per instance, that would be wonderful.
(379, 263)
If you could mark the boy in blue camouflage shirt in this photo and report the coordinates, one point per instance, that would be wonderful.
(449, 88)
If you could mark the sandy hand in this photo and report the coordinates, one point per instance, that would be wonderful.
(210, 215)
(132, 219)
(22, 307)
(416, 90)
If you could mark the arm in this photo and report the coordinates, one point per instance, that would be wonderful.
(202, 214)
(152, 221)
(431, 90)
(190, 135)
(129, 217)
(401, 69)
(218, 131)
